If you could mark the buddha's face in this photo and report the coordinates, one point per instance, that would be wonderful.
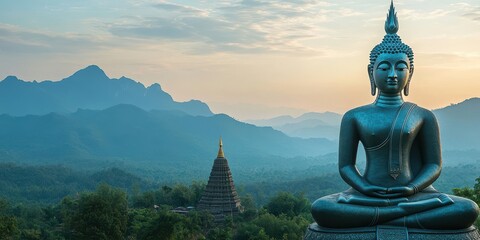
(391, 72)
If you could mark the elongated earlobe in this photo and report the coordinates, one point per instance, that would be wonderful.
(373, 87)
(406, 90)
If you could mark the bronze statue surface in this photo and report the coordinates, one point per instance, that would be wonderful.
(403, 153)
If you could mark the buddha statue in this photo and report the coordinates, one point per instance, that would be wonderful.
(403, 155)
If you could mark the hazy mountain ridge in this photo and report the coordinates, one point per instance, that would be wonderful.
(89, 88)
(139, 138)
(458, 125)
(307, 125)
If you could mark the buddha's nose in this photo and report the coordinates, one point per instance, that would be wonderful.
(392, 74)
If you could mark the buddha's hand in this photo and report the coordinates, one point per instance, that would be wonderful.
(401, 191)
(374, 191)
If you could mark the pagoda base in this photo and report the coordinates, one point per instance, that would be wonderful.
(383, 232)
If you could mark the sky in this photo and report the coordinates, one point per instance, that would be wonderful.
(251, 59)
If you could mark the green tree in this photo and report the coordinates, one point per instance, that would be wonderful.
(8, 227)
(288, 204)
(8, 224)
(220, 233)
(197, 188)
(31, 234)
(181, 195)
(167, 225)
(99, 215)
(249, 208)
(139, 219)
(161, 227)
(472, 194)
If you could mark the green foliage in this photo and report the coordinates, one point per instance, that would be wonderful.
(104, 214)
(250, 211)
(284, 217)
(178, 196)
(288, 204)
(8, 227)
(161, 227)
(472, 194)
(220, 233)
(50, 184)
(139, 219)
(313, 187)
(98, 215)
(164, 224)
(269, 226)
(31, 234)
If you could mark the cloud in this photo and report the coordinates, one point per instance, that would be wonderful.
(17, 40)
(469, 11)
(422, 15)
(166, 6)
(451, 60)
(242, 26)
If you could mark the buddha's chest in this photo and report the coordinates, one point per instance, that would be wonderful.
(379, 128)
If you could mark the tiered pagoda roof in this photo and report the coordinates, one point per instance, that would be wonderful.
(220, 197)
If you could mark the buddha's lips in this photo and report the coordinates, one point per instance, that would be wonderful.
(392, 82)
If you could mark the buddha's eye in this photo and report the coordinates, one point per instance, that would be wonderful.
(383, 67)
(402, 67)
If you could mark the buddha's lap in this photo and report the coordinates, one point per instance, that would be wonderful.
(331, 204)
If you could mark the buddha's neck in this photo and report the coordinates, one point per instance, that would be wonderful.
(389, 100)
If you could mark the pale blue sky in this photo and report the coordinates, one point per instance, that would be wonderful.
(250, 58)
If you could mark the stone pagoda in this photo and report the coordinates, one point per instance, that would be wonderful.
(220, 197)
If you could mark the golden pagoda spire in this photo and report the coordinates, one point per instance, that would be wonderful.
(220, 150)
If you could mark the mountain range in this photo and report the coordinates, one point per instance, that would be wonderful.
(89, 121)
(308, 125)
(129, 134)
(89, 88)
(458, 125)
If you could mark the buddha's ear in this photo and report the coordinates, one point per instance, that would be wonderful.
(406, 90)
(373, 87)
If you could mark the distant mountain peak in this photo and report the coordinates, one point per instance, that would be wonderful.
(471, 103)
(10, 78)
(474, 99)
(92, 72)
(12, 81)
(155, 86)
(88, 88)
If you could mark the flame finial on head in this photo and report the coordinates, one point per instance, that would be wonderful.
(391, 44)
(391, 24)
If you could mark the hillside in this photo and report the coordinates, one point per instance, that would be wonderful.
(459, 125)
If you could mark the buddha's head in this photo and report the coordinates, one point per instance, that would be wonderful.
(391, 62)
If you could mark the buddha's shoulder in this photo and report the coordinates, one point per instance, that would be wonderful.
(357, 112)
(424, 113)
(360, 110)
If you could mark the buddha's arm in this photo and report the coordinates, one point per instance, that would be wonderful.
(430, 151)
(347, 154)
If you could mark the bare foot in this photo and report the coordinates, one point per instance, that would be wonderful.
(445, 199)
